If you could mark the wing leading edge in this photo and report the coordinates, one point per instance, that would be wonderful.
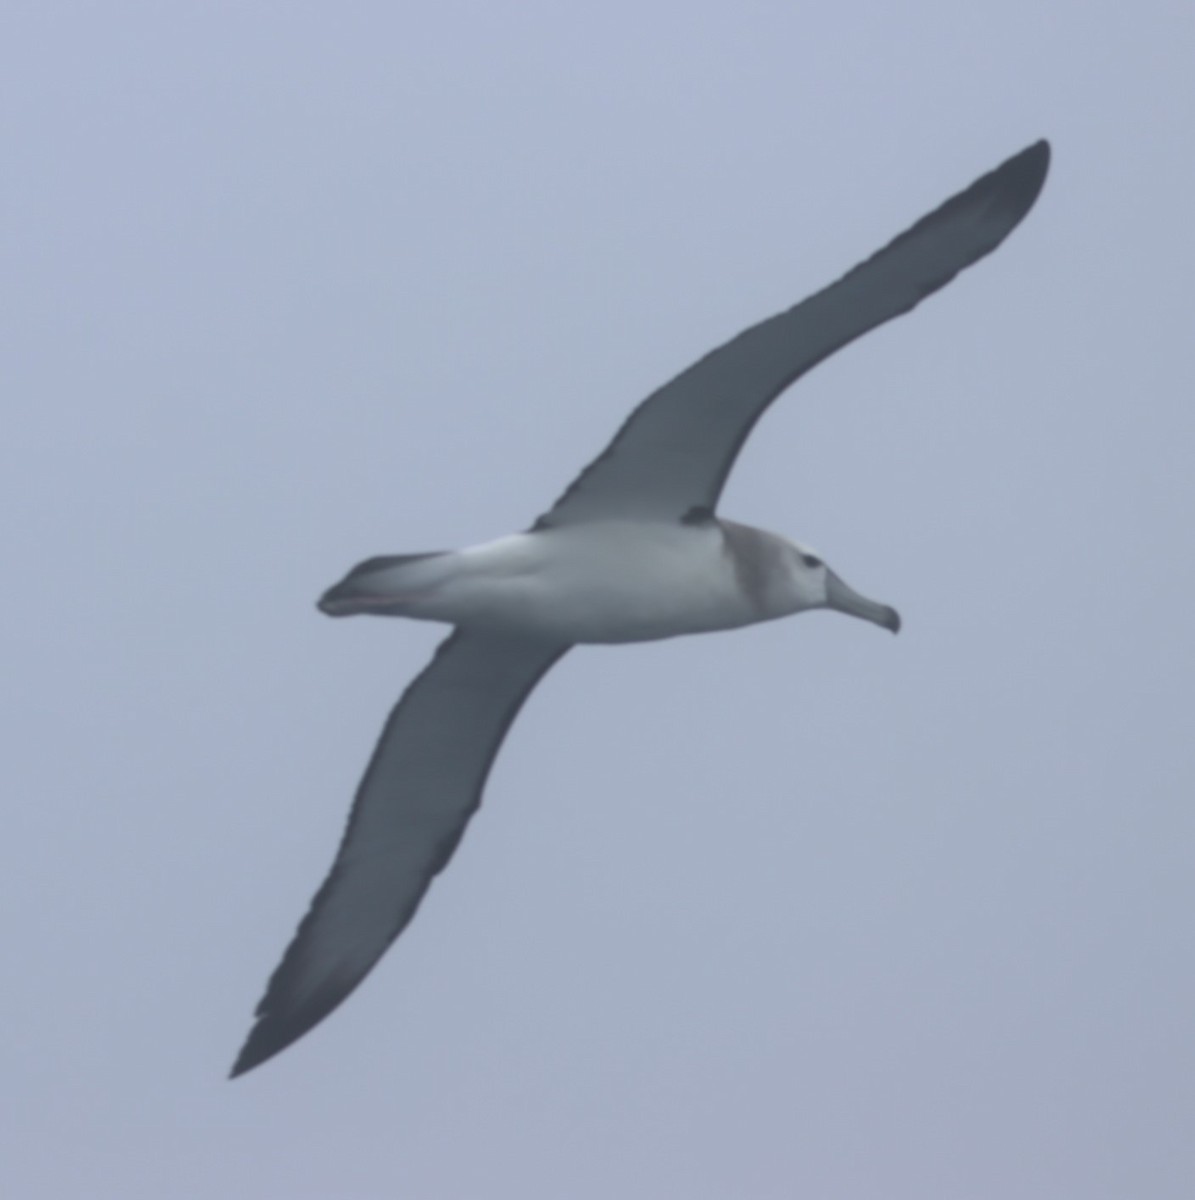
(674, 452)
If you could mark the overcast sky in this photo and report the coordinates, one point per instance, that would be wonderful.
(799, 911)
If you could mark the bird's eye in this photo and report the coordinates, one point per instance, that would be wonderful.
(811, 560)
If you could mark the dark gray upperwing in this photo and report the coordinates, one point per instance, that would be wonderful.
(422, 785)
(674, 452)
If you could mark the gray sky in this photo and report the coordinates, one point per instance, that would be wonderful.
(799, 911)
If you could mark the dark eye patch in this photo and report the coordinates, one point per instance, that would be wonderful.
(811, 560)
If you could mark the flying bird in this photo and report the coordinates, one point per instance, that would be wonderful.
(632, 551)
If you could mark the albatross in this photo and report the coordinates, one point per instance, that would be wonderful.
(632, 551)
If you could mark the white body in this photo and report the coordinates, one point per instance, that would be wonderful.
(609, 581)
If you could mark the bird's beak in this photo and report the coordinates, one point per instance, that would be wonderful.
(846, 600)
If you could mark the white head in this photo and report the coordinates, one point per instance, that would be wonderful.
(783, 577)
(813, 585)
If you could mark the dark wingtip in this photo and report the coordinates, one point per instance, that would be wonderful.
(243, 1063)
(256, 1050)
(271, 1035)
(283, 1017)
(1033, 163)
(1021, 177)
(240, 1067)
(1005, 194)
(260, 1046)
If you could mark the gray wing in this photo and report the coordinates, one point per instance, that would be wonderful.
(675, 450)
(422, 785)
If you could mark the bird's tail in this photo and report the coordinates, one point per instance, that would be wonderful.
(382, 586)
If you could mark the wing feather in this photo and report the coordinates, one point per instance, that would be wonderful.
(421, 787)
(675, 450)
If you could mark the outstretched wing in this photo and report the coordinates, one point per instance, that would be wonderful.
(422, 785)
(675, 450)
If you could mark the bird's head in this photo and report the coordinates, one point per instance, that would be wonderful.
(814, 585)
